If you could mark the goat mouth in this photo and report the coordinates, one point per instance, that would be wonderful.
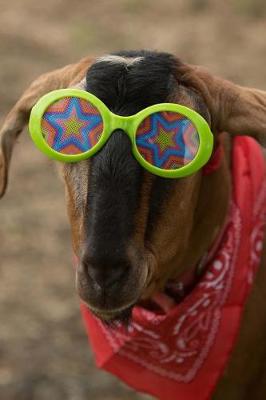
(120, 315)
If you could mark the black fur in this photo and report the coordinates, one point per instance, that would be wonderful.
(128, 89)
(116, 177)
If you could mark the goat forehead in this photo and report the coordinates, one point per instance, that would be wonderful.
(127, 82)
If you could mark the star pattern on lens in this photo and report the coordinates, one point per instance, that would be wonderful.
(167, 140)
(72, 125)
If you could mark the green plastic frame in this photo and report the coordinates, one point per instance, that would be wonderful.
(129, 125)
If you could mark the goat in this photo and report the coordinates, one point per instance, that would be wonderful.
(133, 231)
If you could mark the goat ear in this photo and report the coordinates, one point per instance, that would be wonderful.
(18, 117)
(235, 109)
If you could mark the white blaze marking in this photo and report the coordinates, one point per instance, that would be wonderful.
(119, 59)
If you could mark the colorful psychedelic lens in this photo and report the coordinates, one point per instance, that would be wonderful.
(72, 125)
(167, 140)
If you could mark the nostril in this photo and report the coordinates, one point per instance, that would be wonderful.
(107, 279)
(107, 276)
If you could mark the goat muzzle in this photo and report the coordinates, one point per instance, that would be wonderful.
(111, 289)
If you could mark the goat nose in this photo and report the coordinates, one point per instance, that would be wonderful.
(106, 277)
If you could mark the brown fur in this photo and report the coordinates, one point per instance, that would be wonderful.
(233, 109)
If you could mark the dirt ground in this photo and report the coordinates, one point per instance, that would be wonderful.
(44, 353)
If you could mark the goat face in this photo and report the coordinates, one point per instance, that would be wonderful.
(125, 221)
(132, 230)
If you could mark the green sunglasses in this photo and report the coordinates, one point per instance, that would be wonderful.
(169, 140)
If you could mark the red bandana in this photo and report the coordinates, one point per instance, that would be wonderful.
(183, 352)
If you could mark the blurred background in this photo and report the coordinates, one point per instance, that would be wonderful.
(43, 348)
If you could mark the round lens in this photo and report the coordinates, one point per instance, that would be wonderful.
(167, 140)
(72, 125)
